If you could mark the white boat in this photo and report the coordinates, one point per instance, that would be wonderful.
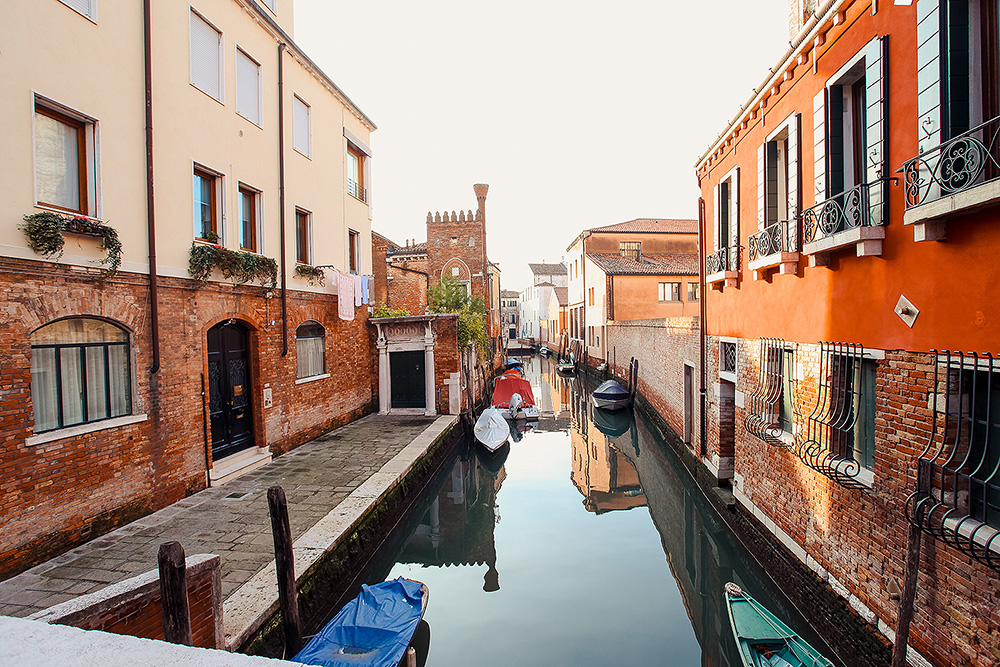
(491, 429)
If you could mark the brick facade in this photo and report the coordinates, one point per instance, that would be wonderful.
(59, 493)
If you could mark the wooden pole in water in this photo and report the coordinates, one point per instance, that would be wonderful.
(284, 562)
(907, 598)
(173, 594)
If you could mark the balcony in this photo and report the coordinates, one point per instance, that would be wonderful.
(723, 267)
(775, 246)
(959, 175)
(853, 217)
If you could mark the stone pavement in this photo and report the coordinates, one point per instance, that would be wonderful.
(231, 521)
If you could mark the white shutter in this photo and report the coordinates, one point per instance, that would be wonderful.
(85, 7)
(793, 167)
(928, 74)
(247, 87)
(303, 130)
(368, 185)
(876, 59)
(206, 57)
(761, 177)
(819, 147)
(716, 212)
(734, 209)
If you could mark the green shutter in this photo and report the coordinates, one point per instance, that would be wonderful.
(957, 80)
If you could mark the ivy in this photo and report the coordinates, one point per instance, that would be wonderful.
(240, 267)
(383, 310)
(45, 232)
(312, 274)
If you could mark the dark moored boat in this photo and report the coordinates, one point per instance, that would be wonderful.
(611, 395)
(763, 640)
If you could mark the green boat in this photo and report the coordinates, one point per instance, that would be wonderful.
(763, 640)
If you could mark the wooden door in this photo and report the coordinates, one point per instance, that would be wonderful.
(230, 407)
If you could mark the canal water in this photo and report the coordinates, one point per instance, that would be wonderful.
(584, 543)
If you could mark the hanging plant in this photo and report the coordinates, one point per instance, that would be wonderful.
(240, 267)
(45, 232)
(312, 274)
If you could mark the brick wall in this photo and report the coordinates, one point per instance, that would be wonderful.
(58, 494)
(407, 290)
(446, 359)
(662, 347)
(133, 607)
(458, 241)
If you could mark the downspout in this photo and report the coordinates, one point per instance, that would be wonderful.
(583, 263)
(427, 276)
(281, 198)
(701, 325)
(154, 319)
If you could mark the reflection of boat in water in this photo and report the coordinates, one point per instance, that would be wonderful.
(613, 424)
(491, 429)
(763, 640)
(493, 461)
(372, 630)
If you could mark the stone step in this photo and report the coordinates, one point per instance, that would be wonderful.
(231, 467)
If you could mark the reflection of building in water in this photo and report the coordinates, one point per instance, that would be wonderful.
(457, 529)
(553, 395)
(605, 477)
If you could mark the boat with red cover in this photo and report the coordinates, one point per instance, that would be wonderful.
(512, 395)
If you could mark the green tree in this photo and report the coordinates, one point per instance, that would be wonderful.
(450, 296)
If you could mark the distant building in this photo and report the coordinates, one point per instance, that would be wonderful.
(509, 316)
(540, 303)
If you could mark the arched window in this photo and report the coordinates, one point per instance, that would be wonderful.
(310, 345)
(80, 373)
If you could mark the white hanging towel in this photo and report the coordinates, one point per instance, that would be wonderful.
(357, 291)
(364, 291)
(345, 295)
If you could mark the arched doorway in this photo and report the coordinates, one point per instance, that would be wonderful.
(229, 389)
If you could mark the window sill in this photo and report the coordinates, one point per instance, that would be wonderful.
(730, 278)
(312, 378)
(868, 241)
(865, 476)
(81, 429)
(357, 198)
(929, 219)
(786, 262)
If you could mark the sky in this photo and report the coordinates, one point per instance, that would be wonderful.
(577, 115)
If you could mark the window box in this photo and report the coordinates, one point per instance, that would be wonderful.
(775, 246)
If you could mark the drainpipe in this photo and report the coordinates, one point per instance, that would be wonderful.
(281, 197)
(154, 320)
(427, 276)
(701, 324)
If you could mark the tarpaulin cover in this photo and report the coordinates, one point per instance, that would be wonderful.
(373, 629)
(611, 390)
(507, 387)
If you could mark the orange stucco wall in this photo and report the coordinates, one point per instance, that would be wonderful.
(637, 298)
(952, 283)
(660, 243)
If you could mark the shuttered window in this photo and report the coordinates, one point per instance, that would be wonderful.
(86, 7)
(303, 126)
(206, 57)
(248, 87)
(778, 175)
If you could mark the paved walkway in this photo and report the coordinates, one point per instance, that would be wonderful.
(232, 520)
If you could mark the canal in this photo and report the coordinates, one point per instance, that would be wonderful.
(584, 543)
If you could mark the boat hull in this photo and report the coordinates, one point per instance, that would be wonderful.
(611, 395)
(763, 639)
(491, 429)
(612, 403)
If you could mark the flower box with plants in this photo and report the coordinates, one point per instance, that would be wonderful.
(313, 274)
(236, 265)
(45, 232)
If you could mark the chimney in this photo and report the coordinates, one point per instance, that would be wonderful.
(480, 189)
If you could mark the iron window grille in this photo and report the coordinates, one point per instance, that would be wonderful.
(782, 236)
(838, 433)
(727, 357)
(769, 411)
(848, 210)
(957, 499)
(723, 259)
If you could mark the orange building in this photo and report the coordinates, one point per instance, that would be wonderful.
(850, 238)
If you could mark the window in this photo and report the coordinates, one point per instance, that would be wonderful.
(353, 250)
(80, 373)
(356, 173)
(249, 213)
(86, 7)
(302, 120)
(631, 250)
(786, 411)
(206, 57)
(310, 348)
(303, 236)
(769, 412)
(777, 175)
(727, 212)
(590, 296)
(272, 5)
(693, 289)
(206, 204)
(65, 167)
(248, 87)
(669, 291)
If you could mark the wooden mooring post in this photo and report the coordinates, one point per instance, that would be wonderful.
(173, 594)
(907, 597)
(284, 561)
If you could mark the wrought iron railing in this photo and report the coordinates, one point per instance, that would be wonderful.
(829, 442)
(782, 236)
(957, 499)
(724, 259)
(958, 164)
(848, 210)
(763, 416)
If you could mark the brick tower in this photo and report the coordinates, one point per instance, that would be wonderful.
(456, 245)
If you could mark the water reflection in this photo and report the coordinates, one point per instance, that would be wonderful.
(634, 577)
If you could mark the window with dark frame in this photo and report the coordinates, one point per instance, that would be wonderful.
(353, 250)
(670, 291)
(630, 250)
(206, 212)
(80, 373)
(302, 236)
(776, 179)
(693, 291)
(310, 349)
(248, 218)
(846, 145)
(356, 173)
(62, 161)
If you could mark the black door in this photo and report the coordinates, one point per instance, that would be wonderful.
(229, 402)
(407, 369)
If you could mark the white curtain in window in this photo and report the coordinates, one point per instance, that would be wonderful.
(310, 356)
(71, 370)
(97, 398)
(300, 111)
(206, 57)
(118, 362)
(43, 389)
(247, 88)
(57, 162)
